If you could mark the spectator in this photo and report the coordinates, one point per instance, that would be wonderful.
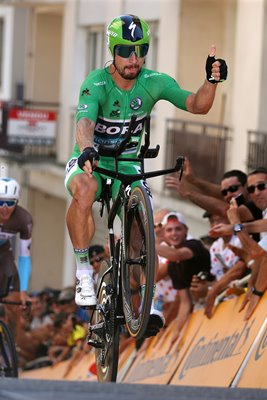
(97, 254)
(215, 198)
(255, 254)
(39, 315)
(225, 267)
(69, 333)
(187, 257)
(165, 295)
(258, 194)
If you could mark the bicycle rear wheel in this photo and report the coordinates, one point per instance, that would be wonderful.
(138, 262)
(8, 353)
(107, 356)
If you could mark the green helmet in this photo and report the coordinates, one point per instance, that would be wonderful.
(127, 29)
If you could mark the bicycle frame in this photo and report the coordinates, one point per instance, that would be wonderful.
(126, 180)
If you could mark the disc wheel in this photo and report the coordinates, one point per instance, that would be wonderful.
(8, 354)
(138, 262)
(107, 357)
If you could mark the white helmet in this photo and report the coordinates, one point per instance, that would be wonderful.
(9, 189)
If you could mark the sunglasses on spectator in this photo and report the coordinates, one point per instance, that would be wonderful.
(8, 203)
(260, 186)
(158, 225)
(231, 189)
(125, 51)
(96, 259)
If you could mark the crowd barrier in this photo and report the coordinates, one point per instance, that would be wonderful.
(224, 351)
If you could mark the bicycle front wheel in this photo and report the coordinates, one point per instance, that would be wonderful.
(8, 353)
(107, 356)
(138, 262)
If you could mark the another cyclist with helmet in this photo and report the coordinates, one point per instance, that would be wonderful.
(14, 220)
(108, 99)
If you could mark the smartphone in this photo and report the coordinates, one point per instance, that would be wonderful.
(240, 199)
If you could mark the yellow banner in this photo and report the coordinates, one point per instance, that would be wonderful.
(220, 346)
(253, 370)
(159, 357)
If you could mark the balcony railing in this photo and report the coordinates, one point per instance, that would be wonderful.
(257, 150)
(204, 144)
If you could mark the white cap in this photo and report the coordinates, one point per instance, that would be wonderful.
(173, 216)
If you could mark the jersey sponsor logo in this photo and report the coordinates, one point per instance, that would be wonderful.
(116, 103)
(115, 113)
(136, 103)
(82, 107)
(102, 83)
(86, 92)
(152, 74)
(5, 236)
(117, 128)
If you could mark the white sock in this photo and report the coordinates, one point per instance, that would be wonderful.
(83, 266)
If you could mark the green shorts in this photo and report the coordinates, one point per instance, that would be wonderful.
(126, 167)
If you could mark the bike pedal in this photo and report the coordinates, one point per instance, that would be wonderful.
(95, 343)
(98, 329)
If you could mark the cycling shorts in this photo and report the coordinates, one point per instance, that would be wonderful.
(126, 167)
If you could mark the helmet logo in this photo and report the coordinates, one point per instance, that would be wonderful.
(136, 103)
(132, 27)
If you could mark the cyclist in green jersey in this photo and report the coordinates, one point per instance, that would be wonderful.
(108, 99)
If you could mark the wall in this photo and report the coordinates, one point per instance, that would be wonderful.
(48, 235)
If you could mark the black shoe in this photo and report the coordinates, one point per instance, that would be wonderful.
(155, 323)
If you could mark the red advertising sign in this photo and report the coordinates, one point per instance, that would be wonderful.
(31, 126)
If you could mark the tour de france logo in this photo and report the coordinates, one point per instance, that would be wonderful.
(136, 103)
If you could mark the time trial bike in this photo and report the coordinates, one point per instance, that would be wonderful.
(125, 283)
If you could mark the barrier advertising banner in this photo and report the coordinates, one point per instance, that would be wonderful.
(220, 346)
(159, 356)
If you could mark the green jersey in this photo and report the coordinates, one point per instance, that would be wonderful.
(111, 108)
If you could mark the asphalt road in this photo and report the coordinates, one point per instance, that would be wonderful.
(26, 389)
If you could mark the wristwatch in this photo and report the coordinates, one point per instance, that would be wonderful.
(238, 228)
(257, 292)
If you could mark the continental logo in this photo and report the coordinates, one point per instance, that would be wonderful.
(216, 349)
(150, 369)
(262, 346)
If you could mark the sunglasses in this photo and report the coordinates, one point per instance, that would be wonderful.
(158, 225)
(125, 51)
(260, 186)
(96, 259)
(231, 189)
(8, 203)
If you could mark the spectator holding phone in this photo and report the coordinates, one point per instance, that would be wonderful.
(257, 191)
(215, 198)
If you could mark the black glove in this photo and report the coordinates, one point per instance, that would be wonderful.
(89, 153)
(223, 69)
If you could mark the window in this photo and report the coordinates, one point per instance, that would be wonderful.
(1, 50)
(95, 48)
